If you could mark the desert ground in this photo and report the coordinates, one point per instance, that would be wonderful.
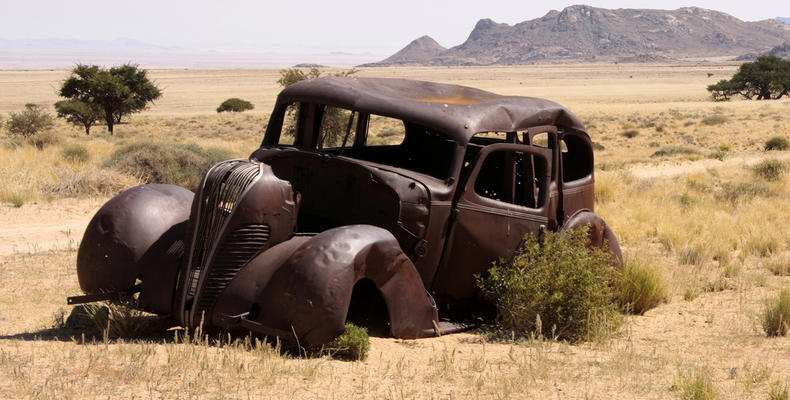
(677, 178)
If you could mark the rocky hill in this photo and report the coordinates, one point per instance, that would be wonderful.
(582, 33)
(416, 52)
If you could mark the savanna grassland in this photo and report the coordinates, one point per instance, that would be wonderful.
(685, 183)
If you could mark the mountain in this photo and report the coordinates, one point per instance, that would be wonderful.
(785, 20)
(418, 51)
(582, 33)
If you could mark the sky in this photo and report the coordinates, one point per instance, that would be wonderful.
(306, 26)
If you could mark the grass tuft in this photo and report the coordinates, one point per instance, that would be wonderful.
(776, 314)
(353, 344)
(639, 287)
(779, 265)
(75, 153)
(696, 385)
(778, 391)
(771, 170)
(715, 119)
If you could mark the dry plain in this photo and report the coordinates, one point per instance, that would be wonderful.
(675, 179)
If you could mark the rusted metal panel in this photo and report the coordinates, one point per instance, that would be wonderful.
(278, 244)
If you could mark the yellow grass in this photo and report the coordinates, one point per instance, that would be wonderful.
(693, 217)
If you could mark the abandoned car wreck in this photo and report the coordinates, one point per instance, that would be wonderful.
(362, 189)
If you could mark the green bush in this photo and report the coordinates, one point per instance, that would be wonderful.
(353, 344)
(176, 164)
(770, 170)
(776, 314)
(235, 104)
(557, 288)
(777, 143)
(27, 123)
(75, 153)
(639, 287)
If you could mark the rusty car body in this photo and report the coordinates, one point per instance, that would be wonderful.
(366, 196)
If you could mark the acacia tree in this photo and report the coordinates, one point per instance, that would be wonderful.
(78, 113)
(764, 79)
(115, 92)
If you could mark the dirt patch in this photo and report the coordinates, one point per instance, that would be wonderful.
(37, 227)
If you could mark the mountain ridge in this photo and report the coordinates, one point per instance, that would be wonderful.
(583, 33)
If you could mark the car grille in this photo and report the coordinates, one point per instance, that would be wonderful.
(223, 187)
(237, 249)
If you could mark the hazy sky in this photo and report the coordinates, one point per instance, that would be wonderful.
(306, 26)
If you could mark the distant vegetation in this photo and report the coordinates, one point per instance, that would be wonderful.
(176, 164)
(765, 79)
(93, 92)
(29, 122)
(235, 104)
(335, 119)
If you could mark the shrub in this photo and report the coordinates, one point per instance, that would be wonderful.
(776, 314)
(556, 288)
(90, 182)
(235, 104)
(777, 143)
(75, 153)
(743, 191)
(175, 164)
(715, 119)
(631, 133)
(43, 139)
(639, 287)
(696, 385)
(674, 150)
(353, 344)
(770, 170)
(29, 122)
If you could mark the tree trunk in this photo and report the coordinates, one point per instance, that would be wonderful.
(110, 120)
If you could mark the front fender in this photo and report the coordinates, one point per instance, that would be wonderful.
(303, 286)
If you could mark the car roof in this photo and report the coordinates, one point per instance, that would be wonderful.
(459, 111)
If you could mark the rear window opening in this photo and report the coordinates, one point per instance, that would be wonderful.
(369, 137)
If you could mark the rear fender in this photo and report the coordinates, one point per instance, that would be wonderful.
(599, 232)
(303, 286)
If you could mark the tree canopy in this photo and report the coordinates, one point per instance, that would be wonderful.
(79, 112)
(235, 104)
(115, 92)
(764, 79)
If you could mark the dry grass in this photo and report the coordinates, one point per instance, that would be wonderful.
(713, 233)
